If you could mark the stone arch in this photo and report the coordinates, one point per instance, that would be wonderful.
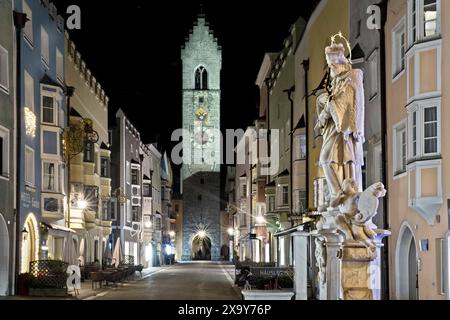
(4, 257)
(30, 242)
(201, 248)
(406, 258)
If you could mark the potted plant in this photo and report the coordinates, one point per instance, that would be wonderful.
(278, 287)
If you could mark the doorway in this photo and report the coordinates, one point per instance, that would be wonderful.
(407, 265)
(201, 248)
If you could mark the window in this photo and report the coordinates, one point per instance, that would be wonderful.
(112, 210)
(89, 152)
(244, 190)
(50, 140)
(373, 74)
(135, 213)
(430, 129)
(157, 223)
(414, 134)
(400, 148)
(48, 110)
(398, 48)
(4, 69)
(146, 190)
(135, 176)
(52, 204)
(104, 167)
(28, 30)
(29, 91)
(201, 79)
(414, 21)
(49, 177)
(271, 203)
(424, 19)
(45, 49)
(301, 147)
(97, 165)
(424, 126)
(128, 172)
(59, 66)
(128, 211)
(300, 201)
(177, 208)
(4, 152)
(430, 17)
(105, 210)
(29, 166)
(284, 195)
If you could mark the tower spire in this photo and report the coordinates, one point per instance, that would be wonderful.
(201, 11)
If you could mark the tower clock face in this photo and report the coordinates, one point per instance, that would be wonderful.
(202, 137)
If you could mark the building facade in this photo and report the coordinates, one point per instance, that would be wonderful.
(280, 119)
(417, 91)
(202, 62)
(7, 148)
(42, 107)
(90, 174)
(127, 179)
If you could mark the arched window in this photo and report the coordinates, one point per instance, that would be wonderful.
(201, 79)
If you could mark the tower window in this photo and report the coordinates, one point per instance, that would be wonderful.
(201, 79)
(199, 197)
(202, 181)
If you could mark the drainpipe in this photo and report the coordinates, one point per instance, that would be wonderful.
(20, 19)
(69, 93)
(291, 142)
(383, 7)
(305, 65)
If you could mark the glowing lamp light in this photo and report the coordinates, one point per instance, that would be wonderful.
(82, 204)
(230, 231)
(201, 234)
(172, 233)
(260, 220)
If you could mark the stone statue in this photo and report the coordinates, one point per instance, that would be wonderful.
(356, 211)
(321, 261)
(341, 119)
(340, 109)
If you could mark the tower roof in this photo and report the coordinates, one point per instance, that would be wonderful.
(200, 23)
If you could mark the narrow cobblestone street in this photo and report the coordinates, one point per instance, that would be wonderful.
(184, 281)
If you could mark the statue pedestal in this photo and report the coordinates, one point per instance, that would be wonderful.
(331, 289)
(357, 270)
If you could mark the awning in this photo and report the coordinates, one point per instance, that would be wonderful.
(287, 232)
(58, 227)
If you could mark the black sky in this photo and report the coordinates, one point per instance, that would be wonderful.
(133, 49)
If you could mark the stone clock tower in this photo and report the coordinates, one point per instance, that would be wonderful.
(202, 62)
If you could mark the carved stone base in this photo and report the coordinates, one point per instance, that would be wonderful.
(357, 271)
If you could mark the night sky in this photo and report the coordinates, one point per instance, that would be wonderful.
(133, 48)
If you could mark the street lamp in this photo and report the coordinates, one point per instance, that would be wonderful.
(201, 234)
(82, 204)
(172, 233)
(230, 231)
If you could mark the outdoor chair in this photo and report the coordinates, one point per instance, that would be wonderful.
(97, 278)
